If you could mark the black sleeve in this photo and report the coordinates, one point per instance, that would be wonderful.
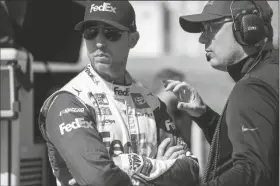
(184, 171)
(208, 122)
(253, 123)
(72, 131)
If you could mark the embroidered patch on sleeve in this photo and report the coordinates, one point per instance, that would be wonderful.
(147, 167)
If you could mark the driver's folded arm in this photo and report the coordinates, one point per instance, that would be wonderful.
(74, 144)
(74, 137)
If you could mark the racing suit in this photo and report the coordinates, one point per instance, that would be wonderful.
(101, 133)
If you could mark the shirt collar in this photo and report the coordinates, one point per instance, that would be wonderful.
(240, 69)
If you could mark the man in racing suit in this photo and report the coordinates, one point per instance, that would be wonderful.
(103, 128)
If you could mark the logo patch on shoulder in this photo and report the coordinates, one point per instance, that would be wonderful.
(139, 101)
(78, 123)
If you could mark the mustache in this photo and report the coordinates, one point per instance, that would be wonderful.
(99, 53)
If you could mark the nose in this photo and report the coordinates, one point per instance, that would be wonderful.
(100, 45)
(204, 39)
(100, 40)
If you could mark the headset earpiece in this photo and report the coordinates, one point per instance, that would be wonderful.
(248, 27)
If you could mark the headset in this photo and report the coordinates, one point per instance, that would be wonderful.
(248, 26)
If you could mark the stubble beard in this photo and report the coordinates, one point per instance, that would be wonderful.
(113, 72)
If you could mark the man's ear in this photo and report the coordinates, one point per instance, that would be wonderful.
(133, 39)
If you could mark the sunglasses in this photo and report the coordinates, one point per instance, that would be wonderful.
(210, 27)
(111, 34)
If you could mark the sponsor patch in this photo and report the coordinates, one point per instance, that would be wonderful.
(90, 95)
(105, 111)
(107, 122)
(67, 110)
(87, 70)
(147, 167)
(92, 98)
(139, 101)
(121, 92)
(101, 99)
(138, 114)
(134, 162)
(137, 142)
(78, 123)
(170, 126)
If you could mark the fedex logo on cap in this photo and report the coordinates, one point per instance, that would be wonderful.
(106, 7)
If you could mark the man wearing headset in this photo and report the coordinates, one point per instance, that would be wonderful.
(103, 128)
(244, 139)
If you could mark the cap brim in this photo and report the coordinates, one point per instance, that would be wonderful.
(192, 23)
(81, 24)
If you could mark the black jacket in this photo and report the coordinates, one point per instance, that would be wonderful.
(244, 139)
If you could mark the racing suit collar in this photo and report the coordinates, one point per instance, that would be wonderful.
(120, 90)
(238, 70)
(128, 79)
(115, 89)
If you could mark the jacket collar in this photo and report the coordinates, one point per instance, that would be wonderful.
(238, 70)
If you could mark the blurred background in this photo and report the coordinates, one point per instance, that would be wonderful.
(44, 29)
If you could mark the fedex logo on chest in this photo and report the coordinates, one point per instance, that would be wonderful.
(121, 92)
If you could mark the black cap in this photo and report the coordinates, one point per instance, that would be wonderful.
(218, 9)
(119, 14)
